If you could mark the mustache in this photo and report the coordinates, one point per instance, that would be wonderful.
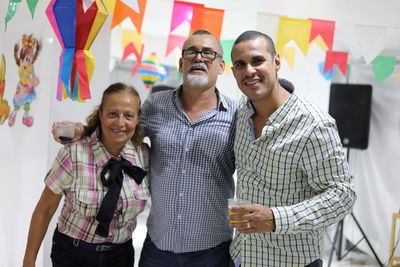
(199, 64)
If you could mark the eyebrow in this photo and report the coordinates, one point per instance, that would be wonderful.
(202, 49)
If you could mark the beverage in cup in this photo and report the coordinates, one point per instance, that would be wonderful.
(234, 202)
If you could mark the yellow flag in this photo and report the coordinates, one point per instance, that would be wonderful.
(287, 53)
(294, 29)
(132, 36)
(321, 43)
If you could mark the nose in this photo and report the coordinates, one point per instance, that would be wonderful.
(121, 119)
(198, 58)
(249, 70)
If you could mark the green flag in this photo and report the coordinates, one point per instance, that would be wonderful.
(383, 67)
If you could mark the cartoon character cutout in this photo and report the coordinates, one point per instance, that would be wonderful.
(25, 92)
(4, 108)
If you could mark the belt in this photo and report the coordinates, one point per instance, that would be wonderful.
(101, 247)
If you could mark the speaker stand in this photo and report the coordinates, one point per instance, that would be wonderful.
(339, 235)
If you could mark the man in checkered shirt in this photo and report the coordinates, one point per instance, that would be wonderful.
(290, 165)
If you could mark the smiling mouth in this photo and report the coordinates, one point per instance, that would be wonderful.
(118, 131)
(252, 82)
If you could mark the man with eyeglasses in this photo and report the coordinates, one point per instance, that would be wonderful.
(191, 130)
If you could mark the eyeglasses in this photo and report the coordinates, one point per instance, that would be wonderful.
(208, 55)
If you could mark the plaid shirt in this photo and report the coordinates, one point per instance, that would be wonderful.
(299, 169)
(76, 174)
(191, 170)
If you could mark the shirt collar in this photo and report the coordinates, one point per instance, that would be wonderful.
(102, 156)
(221, 101)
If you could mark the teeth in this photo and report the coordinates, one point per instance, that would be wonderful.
(251, 83)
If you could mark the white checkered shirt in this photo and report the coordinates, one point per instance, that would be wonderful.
(298, 168)
(191, 172)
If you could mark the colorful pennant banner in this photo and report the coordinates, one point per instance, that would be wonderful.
(336, 58)
(383, 67)
(294, 29)
(323, 28)
(13, 6)
(123, 11)
(210, 19)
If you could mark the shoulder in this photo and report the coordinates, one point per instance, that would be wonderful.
(309, 111)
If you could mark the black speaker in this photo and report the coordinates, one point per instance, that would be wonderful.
(350, 105)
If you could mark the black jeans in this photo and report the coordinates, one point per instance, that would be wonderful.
(65, 254)
(217, 256)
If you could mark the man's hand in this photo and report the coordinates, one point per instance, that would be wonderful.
(78, 131)
(254, 218)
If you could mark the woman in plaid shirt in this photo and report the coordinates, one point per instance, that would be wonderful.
(102, 179)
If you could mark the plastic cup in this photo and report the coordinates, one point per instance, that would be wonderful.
(65, 132)
(235, 202)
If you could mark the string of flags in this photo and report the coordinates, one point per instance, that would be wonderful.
(76, 24)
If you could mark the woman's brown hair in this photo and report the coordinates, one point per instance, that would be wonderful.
(93, 120)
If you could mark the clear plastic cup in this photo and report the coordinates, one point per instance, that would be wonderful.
(234, 202)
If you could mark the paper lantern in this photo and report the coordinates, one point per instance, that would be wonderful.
(150, 70)
(76, 24)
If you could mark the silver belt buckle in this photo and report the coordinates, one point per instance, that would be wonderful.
(103, 247)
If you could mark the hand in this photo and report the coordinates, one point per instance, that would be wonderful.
(78, 131)
(254, 218)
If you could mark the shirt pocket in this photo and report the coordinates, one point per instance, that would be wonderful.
(88, 203)
(134, 203)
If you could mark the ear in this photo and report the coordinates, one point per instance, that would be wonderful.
(180, 65)
(277, 62)
(221, 66)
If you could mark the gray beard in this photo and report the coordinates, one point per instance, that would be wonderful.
(196, 80)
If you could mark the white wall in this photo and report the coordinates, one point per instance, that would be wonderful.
(26, 153)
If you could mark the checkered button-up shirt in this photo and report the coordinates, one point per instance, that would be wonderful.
(298, 168)
(191, 170)
(76, 174)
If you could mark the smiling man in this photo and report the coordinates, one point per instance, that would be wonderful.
(192, 162)
(290, 165)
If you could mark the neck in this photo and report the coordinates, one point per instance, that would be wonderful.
(197, 101)
(265, 107)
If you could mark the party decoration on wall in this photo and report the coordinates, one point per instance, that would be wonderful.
(13, 6)
(227, 49)
(288, 53)
(123, 11)
(132, 36)
(207, 18)
(398, 77)
(336, 58)
(25, 92)
(363, 36)
(383, 67)
(173, 42)
(131, 49)
(4, 108)
(325, 30)
(109, 4)
(76, 31)
(294, 29)
(150, 70)
(327, 75)
(182, 12)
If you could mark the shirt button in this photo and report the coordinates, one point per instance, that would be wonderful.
(179, 217)
(183, 171)
(181, 194)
